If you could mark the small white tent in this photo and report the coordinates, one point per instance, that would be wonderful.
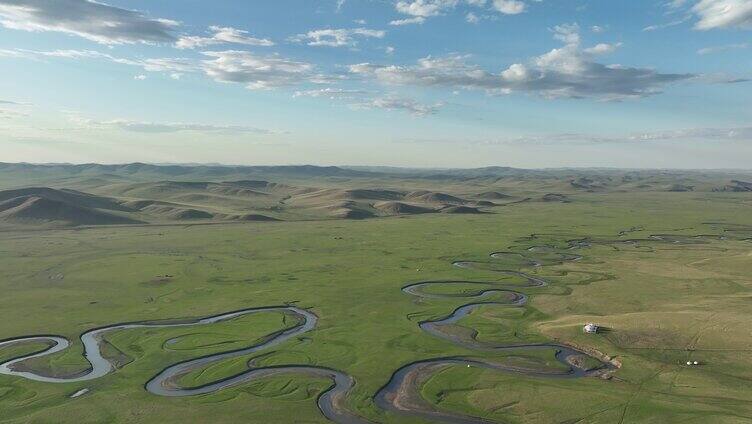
(590, 328)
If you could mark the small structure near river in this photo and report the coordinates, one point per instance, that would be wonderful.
(590, 328)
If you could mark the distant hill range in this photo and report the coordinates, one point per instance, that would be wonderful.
(141, 194)
(151, 171)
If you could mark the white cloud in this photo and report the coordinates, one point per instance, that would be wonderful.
(408, 21)
(515, 73)
(168, 64)
(420, 10)
(568, 71)
(331, 93)
(337, 37)
(602, 48)
(361, 99)
(11, 114)
(14, 53)
(675, 4)
(12, 103)
(675, 136)
(710, 14)
(152, 65)
(509, 7)
(425, 8)
(666, 25)
(257, 72)
(567, 33)
(707, 134)
(140, 77)
(718, 49)
(720, 78)
(94, 21)
(399, 104)
(163, 127)
(221, 35)
(723, 14)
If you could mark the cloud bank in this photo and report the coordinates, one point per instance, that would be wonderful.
(98, 22)
(566, 72)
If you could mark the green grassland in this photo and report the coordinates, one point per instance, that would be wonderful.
(663, 303)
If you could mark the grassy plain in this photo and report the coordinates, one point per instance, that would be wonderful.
(664, 304)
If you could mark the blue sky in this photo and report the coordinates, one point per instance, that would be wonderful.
(429, 83)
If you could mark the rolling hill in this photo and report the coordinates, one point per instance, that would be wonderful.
(53, 207)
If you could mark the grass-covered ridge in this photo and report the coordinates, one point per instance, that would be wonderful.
(59, 195)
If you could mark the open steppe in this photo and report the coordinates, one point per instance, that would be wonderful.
(303, 294)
